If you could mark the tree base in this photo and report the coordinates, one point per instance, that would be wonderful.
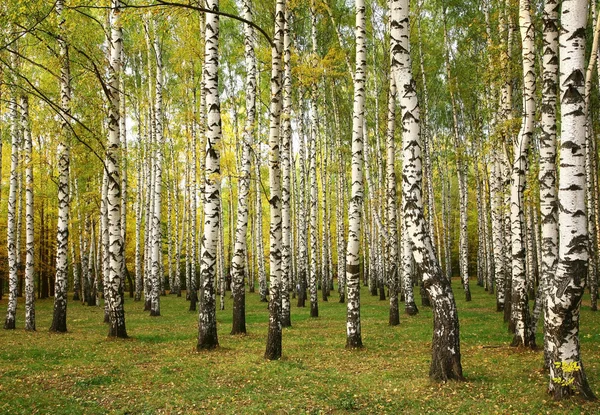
(467, 295)
(193, 300)
(59, 323)
(579, 387)
(154, 313)
(10, 325)
(76, 296)
(119, 333)
(354, 342)
(207, 346)
(286, 321)
(411, 309)
(314, 310)
(394, 317)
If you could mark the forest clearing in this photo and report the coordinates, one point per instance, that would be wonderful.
(224, 167)
(158, 371)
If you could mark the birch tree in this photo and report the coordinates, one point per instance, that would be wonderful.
(446, 358)
(286, 150)
(353, 327)
(10, 322)
(207, 319)
(567, 374)
(239, 255)
(114, 289)
(156, 233)
(29, 219)
(59, 318)
(273, 350)
(519, 300)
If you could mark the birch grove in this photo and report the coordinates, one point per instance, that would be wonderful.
(263, 152)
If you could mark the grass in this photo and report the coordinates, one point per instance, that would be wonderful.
(158, 371)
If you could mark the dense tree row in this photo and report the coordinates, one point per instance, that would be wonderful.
(404, 144)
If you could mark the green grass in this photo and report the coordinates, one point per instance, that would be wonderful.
(158, 371)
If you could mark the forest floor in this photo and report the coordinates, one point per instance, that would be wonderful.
(158, 371)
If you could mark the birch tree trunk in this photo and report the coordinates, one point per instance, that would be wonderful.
(497, 201)
(353, 327)
(567, 374)
(192, 253)
(114, 287)
(410, 307)
(262, 274)
(392, 262)
(461, 172)
(445, 363)
(11, 230)
(286, 148)
(138, 225)
(238, 262)
(75, 264)
(29, 220)
(312, 150)
(519, 299)
(591, 172)
(59, 317)
(156, 235)
(302, 231)
(207, 319)
(273, 349)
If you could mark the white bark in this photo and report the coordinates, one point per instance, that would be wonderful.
(353, 326)
(445, 362)
(29, 220)
(12, 209)
(156, 233)
(113, 154)
(563, 304)
(286, 150)
(273, 349)
(519, 300)
(207, 320)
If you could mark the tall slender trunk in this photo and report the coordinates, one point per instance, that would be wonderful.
(138, 224)
(114, 287)
(567, 374)
(519, 298)
(75, 264)
(124, 168)
(461, 172)
(391, 206)
(59, 317)
(207, 320)
(192, 288)
(286, 150)
(302, 231)
(591, 173)
(340, 207)
(262, 274)
(273, 349)
(445, 363)
(353, 326)
(29, 235)
(312, 150)
(407, 272)
(156, 235)
(11, 229)
(238, 263)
